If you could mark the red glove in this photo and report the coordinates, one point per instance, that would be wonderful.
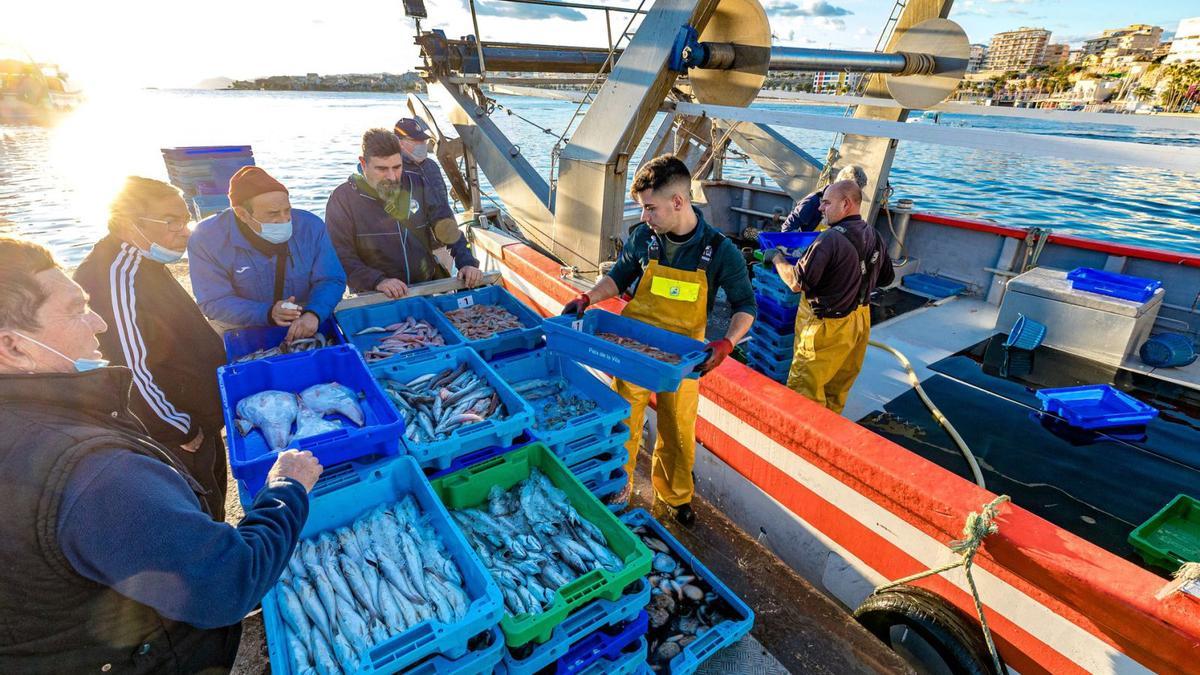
(719, 350)
(577, 305)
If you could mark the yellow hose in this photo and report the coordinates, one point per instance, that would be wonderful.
(937, 414)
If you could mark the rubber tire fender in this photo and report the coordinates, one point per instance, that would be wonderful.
(955, 636)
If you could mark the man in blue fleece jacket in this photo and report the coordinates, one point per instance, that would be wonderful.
(111, 563)
(263, 263)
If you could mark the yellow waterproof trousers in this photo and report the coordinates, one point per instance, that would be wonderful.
(675, 448)
(828, 355)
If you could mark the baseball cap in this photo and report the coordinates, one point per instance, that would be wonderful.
(410, 128)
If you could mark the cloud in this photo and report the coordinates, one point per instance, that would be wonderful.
(816, 8)
(508, 10)
(1018, 12)
(970, 8)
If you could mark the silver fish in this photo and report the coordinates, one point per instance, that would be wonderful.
(322, 656)
(358, 585)
(349, 543)
(291, 609)
(344, 651)
(298, 651)
(320, 582)
(412, 559)
(314, 609)
(389, 610)
(349, 620)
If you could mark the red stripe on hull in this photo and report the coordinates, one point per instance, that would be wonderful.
(1105, 595)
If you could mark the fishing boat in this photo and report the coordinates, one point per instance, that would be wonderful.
(32, 93)
(851, 502)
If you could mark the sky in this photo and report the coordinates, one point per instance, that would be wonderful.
(138, 43)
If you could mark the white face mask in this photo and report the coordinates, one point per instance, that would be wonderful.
(81, 365)
(157, 253)
(419, 152)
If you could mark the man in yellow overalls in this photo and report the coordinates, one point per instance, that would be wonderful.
(677, 261)
(836, 275)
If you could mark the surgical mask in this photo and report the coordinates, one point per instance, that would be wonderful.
(157, 253)
(418, 153)
(81, 365)
(276, 233)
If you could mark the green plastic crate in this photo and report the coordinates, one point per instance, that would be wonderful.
(469, 488)
(1172, 536)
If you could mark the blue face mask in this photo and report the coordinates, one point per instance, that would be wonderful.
(160, 254)
(276, 233)
(81, 365)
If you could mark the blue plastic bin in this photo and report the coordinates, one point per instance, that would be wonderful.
(932, 285)
(206, 205)
(1168, 350)
(601, 468)
(723, 634)
(774, 342)
(631, 660)
(473, 458)
(204, 152)
(604, 644)
(576, 338)
(242, 341)
(784, 296)
(580, 449)
(1025, 334)
(528, 337)
(352, 321)
(481, 659)
(604, 486)
(1096, 406)
(1124, 286)
(611, 409)
(385, 485)
(778, 317)
(250, 458)
(576, 629)
(495, 432)
(788, 240)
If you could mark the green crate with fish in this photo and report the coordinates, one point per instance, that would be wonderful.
(397, 329)
(380, 581)
(550, 544)
(323, 400)
(490, 320)
(452, 403)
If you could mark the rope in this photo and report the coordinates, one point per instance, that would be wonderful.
(500, 106)
(978, 526)
(1187, 573)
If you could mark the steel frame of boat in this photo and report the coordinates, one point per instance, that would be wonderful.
(844, 507)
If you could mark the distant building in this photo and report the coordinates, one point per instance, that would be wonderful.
(833, 81)
(1056, 54)
(1094, 91)
(1018, 50)
(1186, 45)
(1162, 51)
(1122, 45)
(976, 59)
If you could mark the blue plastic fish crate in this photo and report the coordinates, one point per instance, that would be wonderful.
(774, 343)
(606, 485)
(343, 504)
(788, 240)
(577, 339)
(527, 337)
(580, 449)
(578, 628)
(775, 315)
(472, 458)
(1096, 406)
(776, 372)
(480, 660)
(242, 341)
(785, 297)
(768, 356)
(932, 285)
(1112, 284)
(720, 636)
(206, 152)
(765, 274)
(206, 205)
(603, 645)
(352, 321)
(250, 458)
(488, 433)
(600, 469)
(631, 660)
(611, 409)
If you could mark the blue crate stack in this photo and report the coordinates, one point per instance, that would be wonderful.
(203, 173)
(769, 351)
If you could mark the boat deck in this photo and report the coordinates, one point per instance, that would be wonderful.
(1097, 485)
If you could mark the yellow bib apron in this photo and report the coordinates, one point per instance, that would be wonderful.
(676, 300)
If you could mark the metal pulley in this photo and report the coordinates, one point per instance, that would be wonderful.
(728, 63)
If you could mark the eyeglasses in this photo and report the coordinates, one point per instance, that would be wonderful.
(173, 223)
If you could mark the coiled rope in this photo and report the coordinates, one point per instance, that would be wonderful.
(978, 526)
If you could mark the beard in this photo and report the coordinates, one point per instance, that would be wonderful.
(388, 189)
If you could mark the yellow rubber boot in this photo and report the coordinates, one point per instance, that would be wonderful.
(675, 450)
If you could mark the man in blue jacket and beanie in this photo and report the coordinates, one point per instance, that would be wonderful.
(261, 262)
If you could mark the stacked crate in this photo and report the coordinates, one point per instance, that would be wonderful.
(769, 351)
(203, 173)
